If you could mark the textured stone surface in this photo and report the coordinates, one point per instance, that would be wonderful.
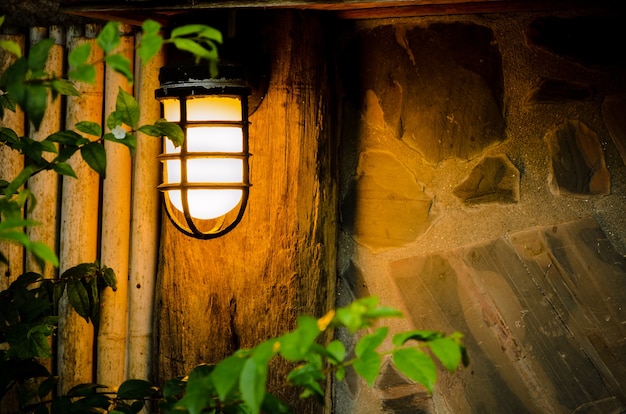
(399, 394)
(577, 161)
(589, 40)
(385, 207)
(614, 113)
(555, 91)
(439, 89)
(493, 180)
(543, 315)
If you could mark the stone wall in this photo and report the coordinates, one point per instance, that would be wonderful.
(484, 190)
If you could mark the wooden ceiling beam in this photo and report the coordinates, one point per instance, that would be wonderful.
(136, 11)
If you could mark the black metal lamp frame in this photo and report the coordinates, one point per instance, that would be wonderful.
(182, 83)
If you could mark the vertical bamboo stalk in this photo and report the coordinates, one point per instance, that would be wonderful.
(79, 226)
(115, 238)
(44, 186)
(144, 226)
(11, 163)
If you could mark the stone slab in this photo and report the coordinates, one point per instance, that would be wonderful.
(543, 314)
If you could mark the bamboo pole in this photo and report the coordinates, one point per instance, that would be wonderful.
(44, 185)
(79, 226)
(115, 238)
(11, 163)
(144, 226)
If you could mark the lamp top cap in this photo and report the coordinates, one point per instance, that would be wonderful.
(229, 74)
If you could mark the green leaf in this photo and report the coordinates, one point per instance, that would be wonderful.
(64, 168)
(417, 335)
(44, 252)
(272, 404)
(200, 30)
(447, 351)
(15, 79)
(83, 390)
(340, 374)
(337, 350)
(353, 315)
(198, 393)
(47, 386)
(38, 341)
(416, 365)
(174, 387)
(309, 377)
(8, 136)
(252, 384)
(109, 278)
(127, 107)
(91, 285)
(120, 64)
(65, 153)
(368, 366)
(79, 55)
(383, 312)
(114, 119)
(67, 138)
(38, 55)
(369, 343)
(225, 376)
(12, 47)
(212, 34)
(136, 389)
(151, 40)
(20, 180)
(64, 87)
(78, 298)
(151, 130)
(80, 271)
(109, 37)
(88, 127)
(295, 345)
(83, 73)
(48, 146)
(171, 131)
(195, 48)
(95, 156)
(36, 102)
(7, 101)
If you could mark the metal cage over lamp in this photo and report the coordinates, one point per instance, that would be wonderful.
(206, 179)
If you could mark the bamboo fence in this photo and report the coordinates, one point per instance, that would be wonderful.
(115, 220)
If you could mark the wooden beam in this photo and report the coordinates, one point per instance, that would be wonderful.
(215, 296)
(136, 11)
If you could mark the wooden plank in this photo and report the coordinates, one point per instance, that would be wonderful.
(79, 225)
(218, 295)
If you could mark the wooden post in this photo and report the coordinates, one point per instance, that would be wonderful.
(45, 185)
(235, 291)
(115, 235)
(11, 163)
(79, 225)
(144, 225)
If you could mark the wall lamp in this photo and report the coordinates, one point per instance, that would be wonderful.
(205, 180)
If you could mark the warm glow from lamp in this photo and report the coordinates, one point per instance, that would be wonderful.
(205, 180)
(212, 203)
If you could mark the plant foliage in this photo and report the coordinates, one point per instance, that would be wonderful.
(28, 308)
